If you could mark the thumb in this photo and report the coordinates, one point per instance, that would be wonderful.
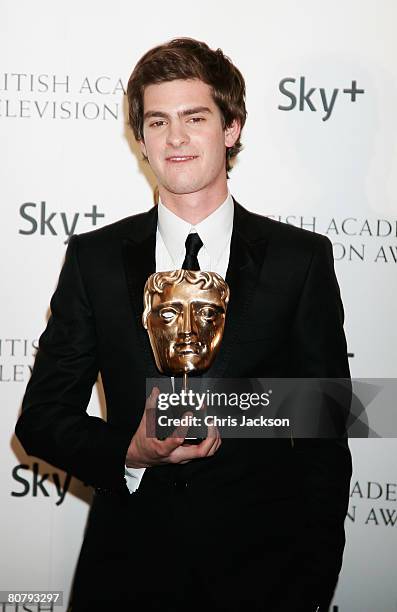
(148, 421)
(151, 401)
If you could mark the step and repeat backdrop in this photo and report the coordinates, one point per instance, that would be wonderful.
(320, 152)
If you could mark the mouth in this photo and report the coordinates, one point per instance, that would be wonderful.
(187, 348)
(180, 159)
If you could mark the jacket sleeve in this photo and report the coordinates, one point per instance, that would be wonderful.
(54, 424)
(324, 465)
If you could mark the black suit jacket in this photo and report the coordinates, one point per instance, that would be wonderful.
(263, 519)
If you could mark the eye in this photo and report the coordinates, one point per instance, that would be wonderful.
(168, 314)
(208, 313)
(196, 119)
(158, 123)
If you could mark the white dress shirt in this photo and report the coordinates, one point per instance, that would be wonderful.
(215, 232)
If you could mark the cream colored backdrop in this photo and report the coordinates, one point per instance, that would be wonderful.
(324, 160)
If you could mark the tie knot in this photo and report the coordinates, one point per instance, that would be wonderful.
(193, 244)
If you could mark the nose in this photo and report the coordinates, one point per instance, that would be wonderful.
(177, 134)
(187, 326)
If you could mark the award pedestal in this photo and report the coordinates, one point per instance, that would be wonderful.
(192, 436)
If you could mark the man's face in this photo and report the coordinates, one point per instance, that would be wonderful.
(183, 136)
(185, 327)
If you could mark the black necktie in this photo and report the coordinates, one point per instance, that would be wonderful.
(193, 244)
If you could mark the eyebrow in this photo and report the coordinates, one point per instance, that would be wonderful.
(169, 303)
(182, 113)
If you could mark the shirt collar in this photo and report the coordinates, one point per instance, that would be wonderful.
(215, 230)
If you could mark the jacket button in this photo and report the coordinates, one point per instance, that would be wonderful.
(180, 485)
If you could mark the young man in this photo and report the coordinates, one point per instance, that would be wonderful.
(232, 526)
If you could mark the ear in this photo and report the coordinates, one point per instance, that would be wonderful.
(142, 147)
(232, 133)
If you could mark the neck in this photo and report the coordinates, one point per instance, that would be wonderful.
(193, 207)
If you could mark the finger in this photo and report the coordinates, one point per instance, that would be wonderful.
(208, 446)
(165, 447)
(185, 453)
(181, 430)
(215, 438)
(212, 431)
(199, 450)
(178, 435)
(211, 438)
(151, 401)
(215, 447)
(182, 454)
(148, 421)
(150, 408)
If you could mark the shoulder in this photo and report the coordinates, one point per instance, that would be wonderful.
(111, 236)
(129, 227)
(103, 249)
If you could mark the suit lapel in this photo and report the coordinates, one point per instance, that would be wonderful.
(139, 254)
(247, 252)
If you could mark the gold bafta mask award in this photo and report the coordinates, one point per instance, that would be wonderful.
(184, 315)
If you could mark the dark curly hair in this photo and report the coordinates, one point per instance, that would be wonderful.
(186, 58)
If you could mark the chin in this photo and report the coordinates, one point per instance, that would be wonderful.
(183, 188)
